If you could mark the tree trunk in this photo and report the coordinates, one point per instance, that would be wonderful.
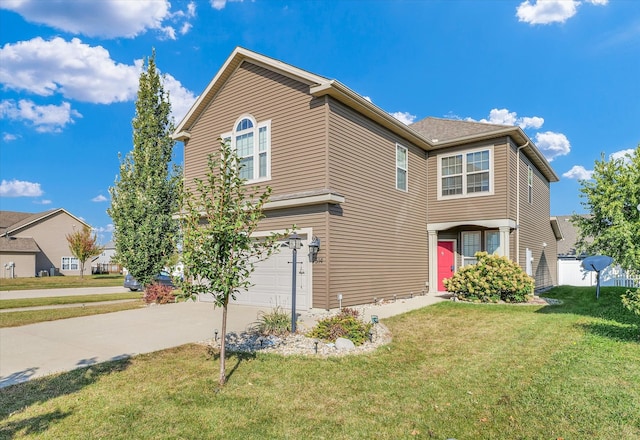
(223, 376)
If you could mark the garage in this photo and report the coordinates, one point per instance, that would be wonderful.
(271, 279)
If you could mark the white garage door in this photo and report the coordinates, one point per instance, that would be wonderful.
(271, 280)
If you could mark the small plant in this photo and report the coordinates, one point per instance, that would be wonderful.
(276, 322)
(631, 300)
(158, 294)
(346, 324)
(491, 279)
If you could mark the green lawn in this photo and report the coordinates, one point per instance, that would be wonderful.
(453, 370)
(16, 319)
(71, 299)
(61, 282)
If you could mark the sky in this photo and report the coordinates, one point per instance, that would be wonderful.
(566, 71)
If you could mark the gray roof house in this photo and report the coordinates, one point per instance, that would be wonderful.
(31, 244)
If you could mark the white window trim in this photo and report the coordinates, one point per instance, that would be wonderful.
(405, 169)
(231, 135)
(464, 153)
(71, 262)
(469, 257)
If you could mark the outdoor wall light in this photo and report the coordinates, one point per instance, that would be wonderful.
(314, 247)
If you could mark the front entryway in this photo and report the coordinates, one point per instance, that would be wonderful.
(446, 261)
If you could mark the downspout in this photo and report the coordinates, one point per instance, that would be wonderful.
(518, 203)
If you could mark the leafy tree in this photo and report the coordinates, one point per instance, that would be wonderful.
(219, 214)
(83, 245)
(146, 194)
(612, 198)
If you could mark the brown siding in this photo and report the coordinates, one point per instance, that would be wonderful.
(535, 227)
(471, 208)
(298, 136)
(378, 240)
(306, 217)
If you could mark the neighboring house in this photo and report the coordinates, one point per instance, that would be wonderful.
(396, 208)
(104, 263)
(34, 244)
(570, 270)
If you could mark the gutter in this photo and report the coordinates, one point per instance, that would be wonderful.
(518, 202)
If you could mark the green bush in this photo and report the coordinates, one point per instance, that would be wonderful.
(346, 324)
(276, 322)
(491, 279)
(631, 300)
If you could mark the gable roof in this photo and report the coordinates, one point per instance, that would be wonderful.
(14, 221)
(451, 132)
(422, 134)
(567, 246)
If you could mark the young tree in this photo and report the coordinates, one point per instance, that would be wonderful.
(612, 198)
(218, 217)
(145, 196)
(83, 245)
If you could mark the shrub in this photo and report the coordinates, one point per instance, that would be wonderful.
(276, 322)
(346, 324)
(158, 294)
(631, 300)
(491, 279)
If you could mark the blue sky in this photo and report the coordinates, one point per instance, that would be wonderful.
(566, 71)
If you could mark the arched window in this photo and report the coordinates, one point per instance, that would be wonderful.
(252, 141)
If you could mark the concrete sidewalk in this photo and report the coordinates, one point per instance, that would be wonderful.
(41, 349)
(69, 291)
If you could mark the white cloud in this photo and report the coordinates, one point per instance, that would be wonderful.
(622, 154)
(578, 172)
(553, 144)
(505, 117)
(108, 228)
(103, 18)
(73, 69)
(8, 137)
(368, 99)
(42, 202)
(80, 72)
(220, 4)
(404, 117)
(550, 11)
(19, 188)
(99, 198)
(546, 11)
(45, 118)
(181, 99)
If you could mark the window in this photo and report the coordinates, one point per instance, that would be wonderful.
(252, 142)
(470, 245)
(491, 241)
(530, 182)
(465, 174)
(70, 263)
(401, 167)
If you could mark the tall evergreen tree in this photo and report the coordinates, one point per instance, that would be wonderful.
(145, 195)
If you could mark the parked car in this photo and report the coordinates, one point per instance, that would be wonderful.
(163, 278)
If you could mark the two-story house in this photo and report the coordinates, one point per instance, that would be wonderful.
(396, 208)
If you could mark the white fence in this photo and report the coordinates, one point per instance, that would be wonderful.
(571, 273)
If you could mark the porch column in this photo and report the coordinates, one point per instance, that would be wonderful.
(504, 240)
(433, 261)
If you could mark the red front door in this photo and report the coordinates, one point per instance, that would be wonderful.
(446, 264)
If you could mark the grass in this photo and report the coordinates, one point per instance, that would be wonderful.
(16, 319)
(453, 370)
(61, 300)
(60, 282)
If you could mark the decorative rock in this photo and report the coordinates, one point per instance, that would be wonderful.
(343, 344)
